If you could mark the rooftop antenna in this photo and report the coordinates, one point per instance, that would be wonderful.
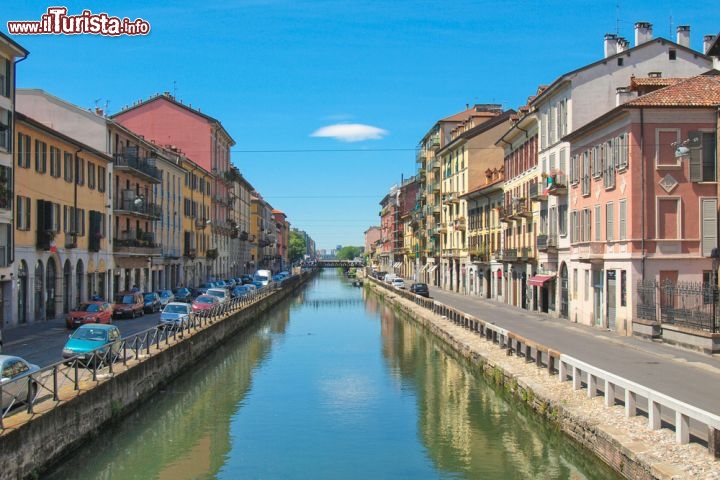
(174, 88)
(617, 18)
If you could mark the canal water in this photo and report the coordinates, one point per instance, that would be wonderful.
(333, 384)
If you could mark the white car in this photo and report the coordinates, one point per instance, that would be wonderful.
(221, 293)
(175, 313)
(389, 277)
(398, 282)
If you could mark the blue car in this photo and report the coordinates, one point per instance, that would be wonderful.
(241, 291)
(93, 342)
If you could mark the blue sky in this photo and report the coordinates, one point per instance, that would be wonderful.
(292, 80)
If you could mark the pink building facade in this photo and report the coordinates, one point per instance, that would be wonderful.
(641, 209)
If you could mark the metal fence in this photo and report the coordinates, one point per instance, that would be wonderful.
(692, 305)
(65, 379)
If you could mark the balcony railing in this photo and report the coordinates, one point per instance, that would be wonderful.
(557, 184)
(129, 161)
(536, 191)
(546, 243)
(420, 156)
(526, 253)
(509, 255)
(433, 142)
(130, 203)
(201, 223)
(136, 242)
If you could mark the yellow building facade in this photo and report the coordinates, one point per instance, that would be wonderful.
(62, 255)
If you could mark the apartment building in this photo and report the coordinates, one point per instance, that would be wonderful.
(389, 213)
(469, 152)
(197, 252)
(644, 182)
(263, 235)
(62, 248)
(282, 227)
(578, 97)
(10, 54)
(204, 140)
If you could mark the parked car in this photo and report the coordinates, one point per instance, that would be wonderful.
(183, 294)
(388, 278)
(278, 278)
(128, 304)
(14, 388)
(166, 296)
(262, 276)
(420, 289)
(246, 279)
(257, 284)
(203, 287)
(398, 282)
(203, 303)
(221, 293)
(175, 314)
(99, 343)
(152, 302)
(241, 291)
(89, 312)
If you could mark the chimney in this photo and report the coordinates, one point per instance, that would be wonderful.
(610, 44)
(622, 44)
(683, 35)
(99, 111)
(643, 32)
(623, 95)
(707, 43)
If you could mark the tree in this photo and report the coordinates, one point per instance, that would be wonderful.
(297, 247)
(348, 253)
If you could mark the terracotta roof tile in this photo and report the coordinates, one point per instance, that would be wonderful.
(636, 82)
(700, 91)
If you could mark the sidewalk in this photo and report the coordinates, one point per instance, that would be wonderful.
(688, 376)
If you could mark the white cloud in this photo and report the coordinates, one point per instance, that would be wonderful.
(350, 132)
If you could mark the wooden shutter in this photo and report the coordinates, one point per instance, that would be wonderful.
(696, 156)
(709, 225)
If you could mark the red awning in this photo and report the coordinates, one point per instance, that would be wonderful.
(540, 280)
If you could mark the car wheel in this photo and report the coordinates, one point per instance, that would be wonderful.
(132, 314)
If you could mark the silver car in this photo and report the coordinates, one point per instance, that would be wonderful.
(175, 314)
(15, 373)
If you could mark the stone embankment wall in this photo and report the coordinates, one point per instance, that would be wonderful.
(30, 449)
(626, 444)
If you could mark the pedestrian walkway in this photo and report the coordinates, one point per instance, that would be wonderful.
(691, 377)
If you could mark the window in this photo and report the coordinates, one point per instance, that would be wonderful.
(6, 128)
(587, 285)
(597, 223)
(575, 282)
(597, 161)
(101, 179)
(40, 156)
(54, 162)
(562, 209)
(609, 176)
(623, 288)
(709, 225)
(609, 222)
(622, 220)
(586, 226)
(68, 161)
(5, 77)
(621, 152)
(702, 156)
(91, 175)
(574, 169)
(620, 61)
(575, 225)
(23, 213)
(23, 151)
(80, 174)
(672, 54)
(586, 173)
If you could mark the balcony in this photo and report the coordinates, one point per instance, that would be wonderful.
(441, 228)
(526, 254)
(141, 167)
(547, 243)
(433, 142)
(536, 192)
(557, 184)
(509, 255)
(589, 252)
(6, 192)
(459, 226)
(190, 252)
(451, 197)
(421, 156)
(201, 223)
(136, 243)
(219, 199)
(504, 214)
(479, 255)
(130, 203)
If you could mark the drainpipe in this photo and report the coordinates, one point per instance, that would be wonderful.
(13, 135)
(642, 190)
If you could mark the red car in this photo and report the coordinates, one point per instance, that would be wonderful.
(203, 303)
(89, 312)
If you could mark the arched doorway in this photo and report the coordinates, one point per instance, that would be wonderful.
(22, 292)
(50, 278)
(39, 311)
(79, 269)
(67, 275)
(564, 291)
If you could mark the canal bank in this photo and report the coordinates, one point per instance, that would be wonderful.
(624, 443)
(54, 431)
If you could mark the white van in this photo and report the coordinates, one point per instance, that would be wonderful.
(263, 276)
